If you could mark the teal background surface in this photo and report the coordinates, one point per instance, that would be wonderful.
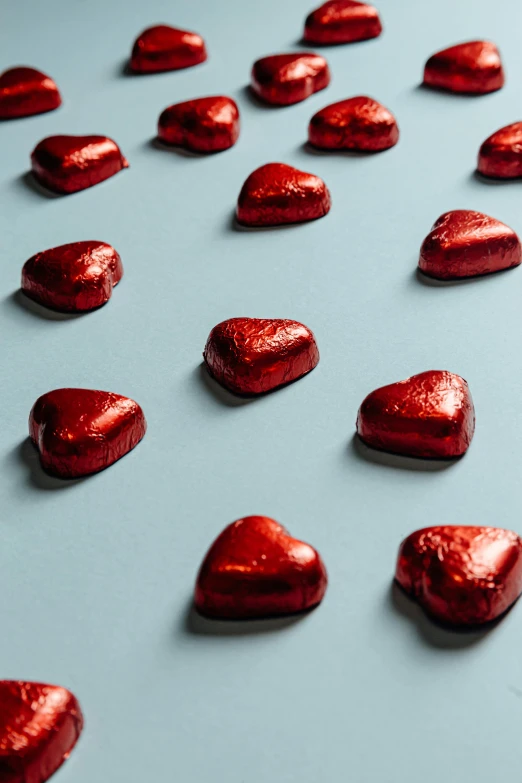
(96, 575)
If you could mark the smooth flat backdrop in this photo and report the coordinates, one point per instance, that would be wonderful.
(96, 575)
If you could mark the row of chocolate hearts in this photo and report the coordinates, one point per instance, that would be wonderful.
(80, 276)
(460, 575)
(430, 415)
(67, 164)
(282, 79)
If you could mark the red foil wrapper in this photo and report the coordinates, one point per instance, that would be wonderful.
(39, 727)
(202, 125)
(428, 415)
(66, 164)
(501, 154)
(342, 21)
(282, 79)
(72, 278)
(355, 124)
(256, 569)
(473, 67)
(256, 355)
(464, 243)
(80, 431)
(164, 48)
(26, 91)
(462, 575)
(275, 194)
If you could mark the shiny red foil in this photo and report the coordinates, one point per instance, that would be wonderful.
(66, 164)
(282, 79)
(428, 415)
(358, 123)
(462, 575)
(256, 355)
(501, 154)
(39, 727)
(473, 67)
(202, 125)
(275, 194)
(464, 243)
(26, 91)
(342, 21)
(256, 569)
(164, 48)
(80, 431)
(72, 278)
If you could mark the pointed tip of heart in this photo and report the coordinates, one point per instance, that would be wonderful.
(342, 21)
(283, 79)
(25, 91)
(252, 356)
(473, 67)
(461, 575)
(82, 431)
(165, 48)
(464, 243)
(39, 726)
(201, 124)
(67, 164)
(500, 155)
(430, 415)
(277, 194)
(255, 569)
(358, 123)
(72, 278)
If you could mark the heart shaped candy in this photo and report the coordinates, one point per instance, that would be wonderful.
(256, 355)
(39, 727)
(72, 278)
(275, 194)
(358, 123)
(203, 124)
(342, 21)
(282, 79)
(462, 575)
(164, 48)
(427, 415)
(80, 431)
(501, 154)
(26, 91)
(463, 243)
(473, 67)
(66, 164)
(256, 569)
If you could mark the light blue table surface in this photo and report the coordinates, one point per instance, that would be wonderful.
(96, 575)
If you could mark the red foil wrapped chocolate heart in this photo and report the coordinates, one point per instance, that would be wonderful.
(256, 355)
(72, 278)
(80, 431)
(463, 243)
(428, 415)
(342, 21)
(282, 79)
(473, 67)
(66, 164)
(26, 91)
(358, 123)
(165, 48)
(462, 575)
(202, 125)
(256, 569)
(39, 727)
(275, 194)
(501, 154)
